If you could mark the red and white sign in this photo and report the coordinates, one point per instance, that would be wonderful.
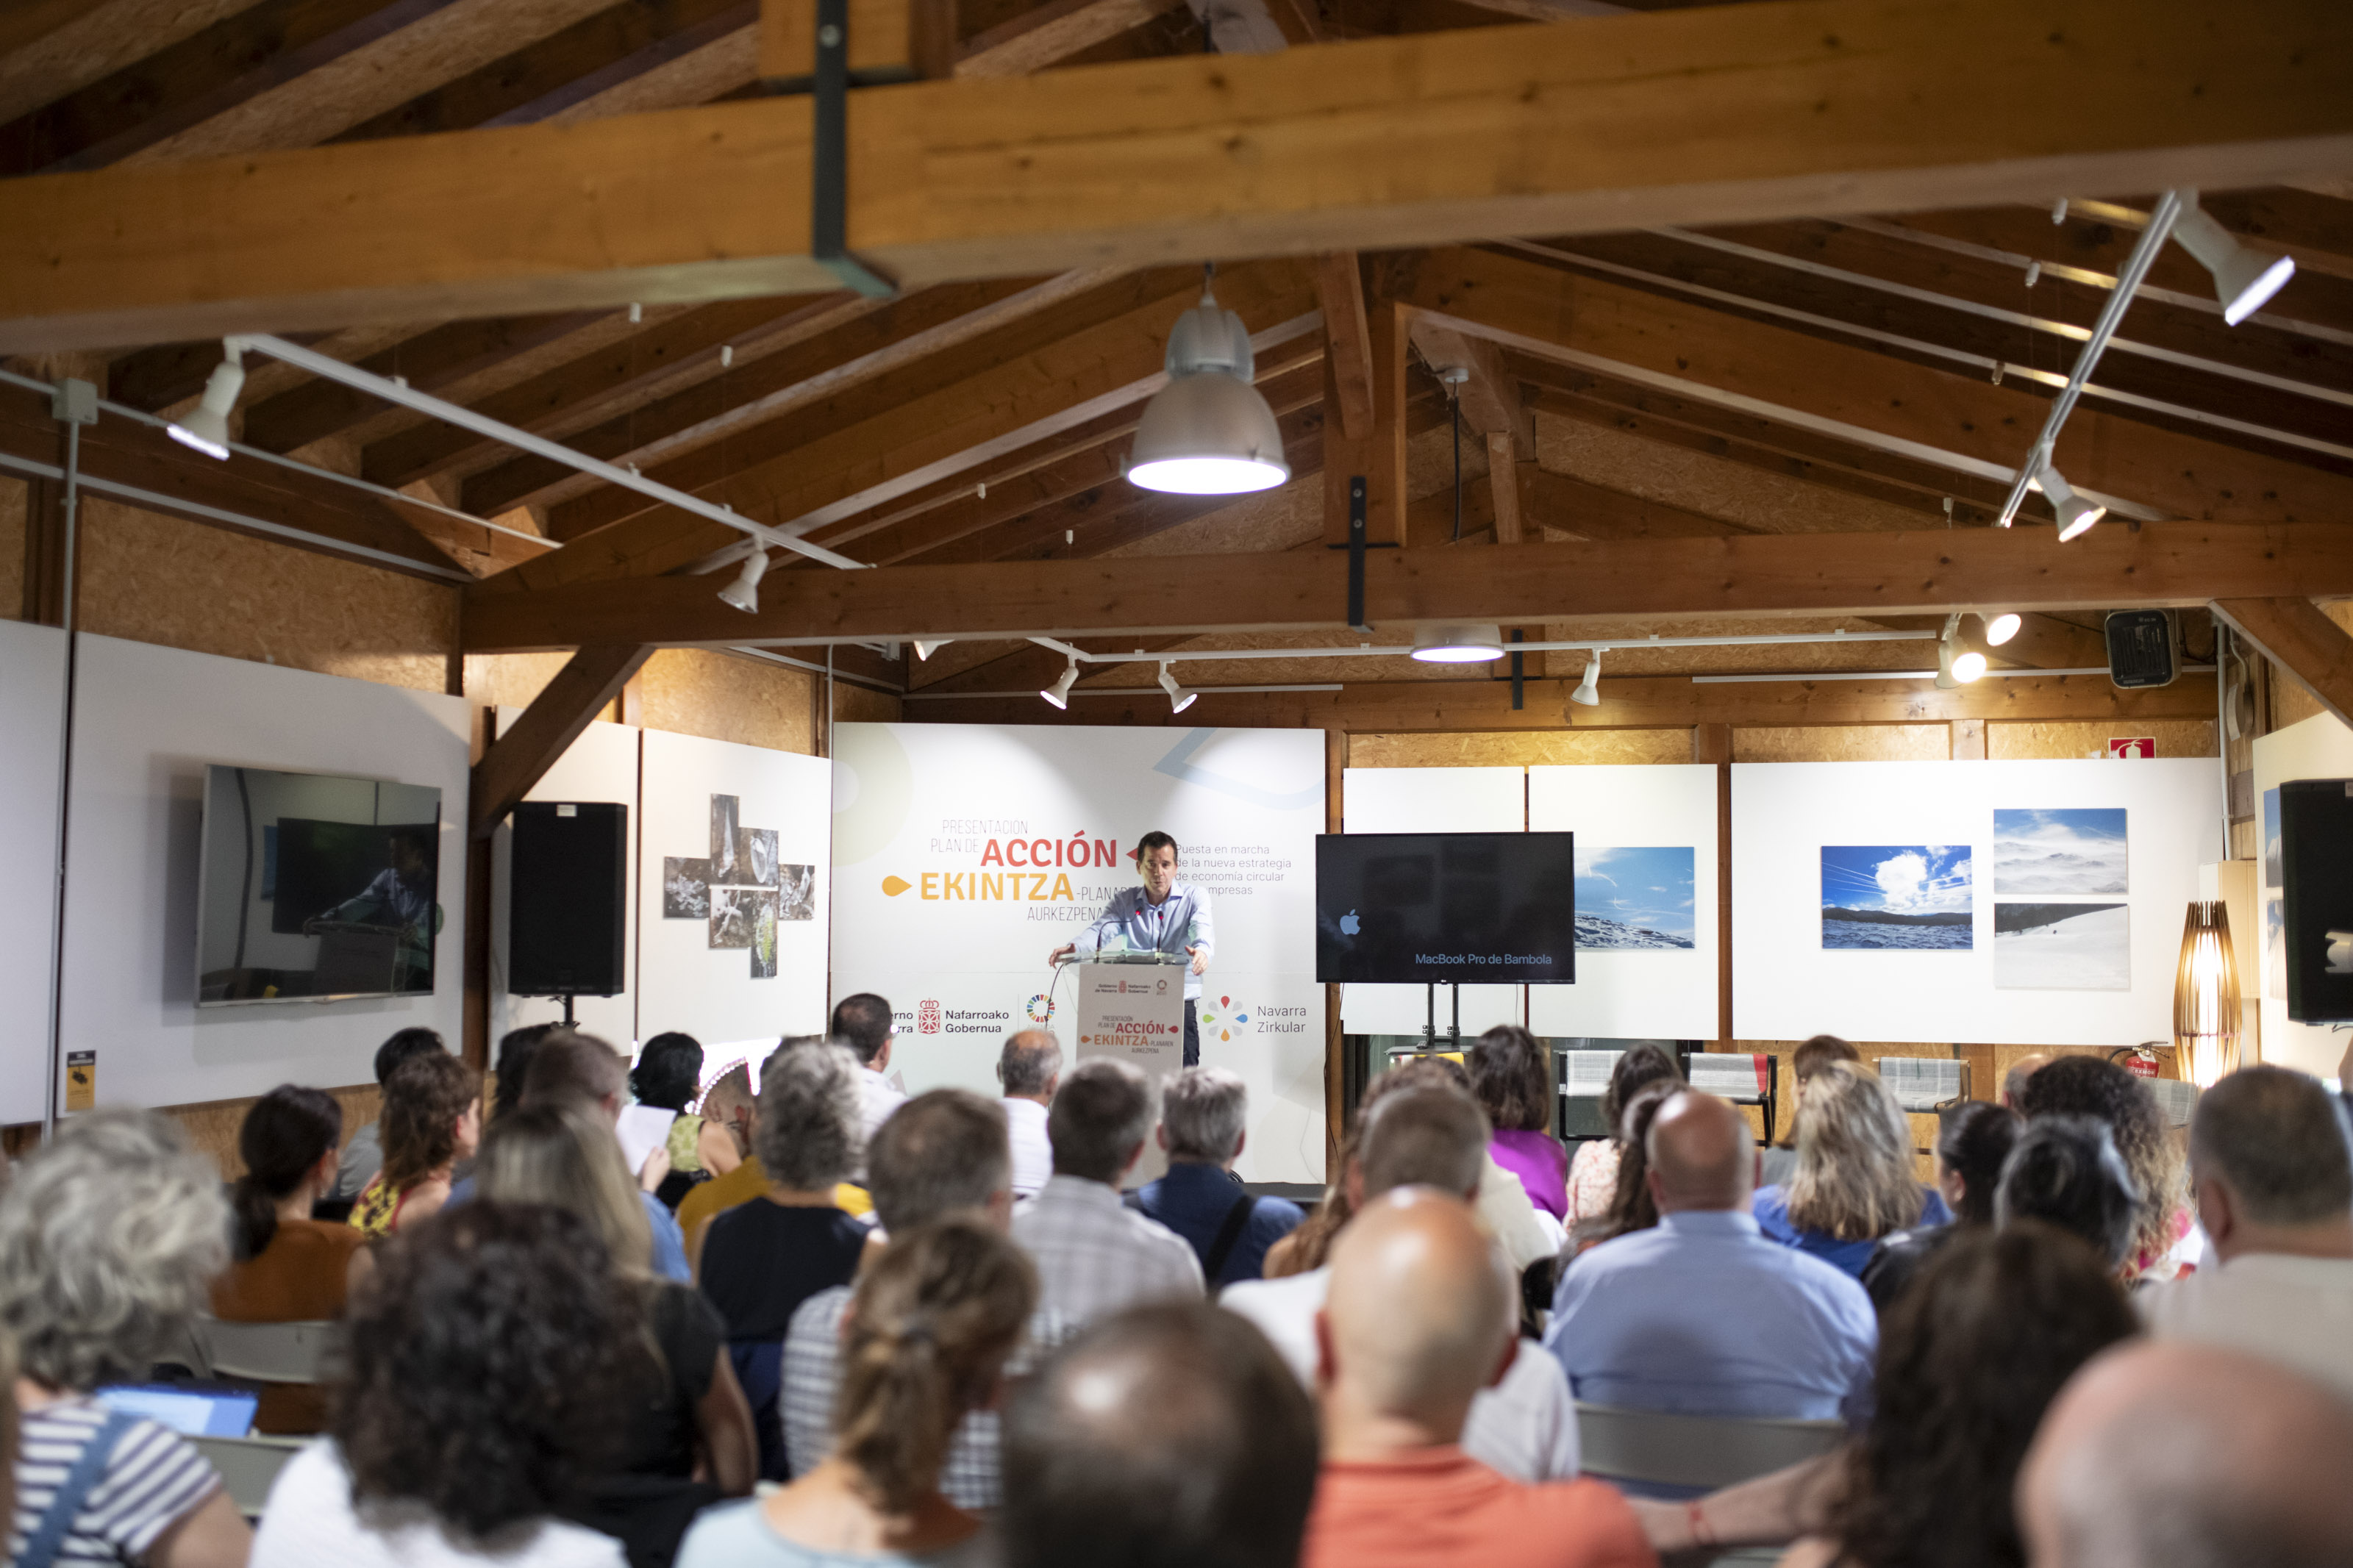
(2132, 745)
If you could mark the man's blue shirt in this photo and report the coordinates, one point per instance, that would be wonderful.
(1179, 921)
(1193, 1199)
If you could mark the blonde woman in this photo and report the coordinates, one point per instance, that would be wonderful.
(1854, 1181)
(686, 1439)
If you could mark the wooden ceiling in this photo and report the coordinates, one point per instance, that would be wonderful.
(1728, 426)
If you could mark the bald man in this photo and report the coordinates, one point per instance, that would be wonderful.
(2164, 1455)
(1030, 1069)
(1702, 1315)
(1421, 1318)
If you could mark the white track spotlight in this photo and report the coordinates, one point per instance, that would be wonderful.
(1208, 432)
(2245, 278)
(2076, 515)
(2000, 628)
(1588, 691)
(744, 592)
(1457, 644)
(1058, 694)
(1957, 664)
(1179, 699)
(927, 646)
(205, 427)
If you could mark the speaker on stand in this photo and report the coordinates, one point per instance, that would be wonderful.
(567, 892)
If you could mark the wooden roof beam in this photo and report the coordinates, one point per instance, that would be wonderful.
(2310, 650)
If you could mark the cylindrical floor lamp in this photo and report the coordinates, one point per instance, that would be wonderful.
(2206, 996)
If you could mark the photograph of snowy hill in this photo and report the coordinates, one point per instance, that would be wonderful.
(2074, 850)
(2062, 947)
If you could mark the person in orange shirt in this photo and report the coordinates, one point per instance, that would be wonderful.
(1418, 1321)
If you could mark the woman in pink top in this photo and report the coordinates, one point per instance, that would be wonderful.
(1593, 1174)
(1509, 1077)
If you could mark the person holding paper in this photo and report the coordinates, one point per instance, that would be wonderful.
(1164, 915)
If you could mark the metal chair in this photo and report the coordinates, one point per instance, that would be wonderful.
(1645, 1448)
(1744, 1078)
(263, 1352)
(1925, 1083)
(249, 1466)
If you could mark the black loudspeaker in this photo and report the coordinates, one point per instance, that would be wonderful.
(2316, 874)
(566, 903)
(2140, 648)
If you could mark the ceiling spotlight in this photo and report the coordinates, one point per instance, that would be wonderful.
(1957, 664)
(2076, 515)
(1179, 699)
(205, 427)
(1058, 694)
(927, 646)
(744, 592)
(2000, 628)
(1588, 691)
(1208, 432)
(1457, 644)
(2244, 278)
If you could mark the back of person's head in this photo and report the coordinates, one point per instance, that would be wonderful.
(942, 1152)
(1973, 1144)
(1030, 1063)
(1204, 1112)
(1818, 1052)
(1170, 1436)
(515, 1048)
(668, 1073)
(2065, 1171)
(2170, 1454)
(1631, 1205)
(568, 1065)
(1635, 1068)
(2013, 1082)
(109, 1235)
(1419, 1311)
(864, 1024)
(403, 1045)
(2277, 1139)
(1855, 1177)
(1424, 1137)
(807, 1132)
(730, 1094)
(1511, 1079)
(925, 1338)
(2099, 1088)
(1700, 1154)
(424, 1100)
(482, 1381)
(286, 1132)
(1100, 1118)
(564, 1155)
(1418, 1072)
(1968, 1362)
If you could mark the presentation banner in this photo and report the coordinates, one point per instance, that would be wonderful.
(964, 854)
(1134, 1012)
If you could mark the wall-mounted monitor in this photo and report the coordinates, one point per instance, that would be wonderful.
(1456, 907)
(314, 887)
(2316, 879)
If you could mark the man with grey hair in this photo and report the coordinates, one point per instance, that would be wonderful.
(1030, 1069)
(1202, 1115)
(1094, 1254)
(2273, 1174)
(762, 1259)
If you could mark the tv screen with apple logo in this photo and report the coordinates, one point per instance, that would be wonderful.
(1405, 908)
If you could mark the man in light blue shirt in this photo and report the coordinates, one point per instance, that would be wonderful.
(1162, 916)
(1704, 1315)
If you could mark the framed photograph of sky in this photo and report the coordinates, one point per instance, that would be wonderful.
(1900, 897)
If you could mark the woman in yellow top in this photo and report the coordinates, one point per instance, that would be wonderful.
(432, 1119)
(669, 1075)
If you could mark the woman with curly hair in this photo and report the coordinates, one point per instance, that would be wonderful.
(1513, 1084)
(2093, 1087)
(1854, 1182)
(1593, 1174)
(482, 1394)
(432, 1119)
(926, 1342)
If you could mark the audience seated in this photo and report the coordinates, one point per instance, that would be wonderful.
(924, 1344)
(1094, 1254)
(287, 1267)
(1419, 1320)
(732, 1103)
(432, 1119)
(762, 1259)
(1431, 1136)
(686, 1430)
(1702, 1314)
(1512, 1081)
(482, 1394)
(567, 1068)
(1593, 1174)
(2273, 1178)
(365, 1155)
(1630, 1207)
(108, 1237)
(1780, 1161)
(1970, 1148)
(2172, 1455)
(1167, 1436)
(941, 1154)
(864, 1024)
(2097, 1088)
(1203, 1112)
(1854, 1182)
(2013, 1082)
(669, 1076)
(2065, 1171)
(1503, 1204)
(1030, 1069)
(514, 1065)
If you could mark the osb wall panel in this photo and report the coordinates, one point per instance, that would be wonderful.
(509, 679)
(213, 1126)
(2292, 704)
(690, 691)
(1845, 744)
(2012, 742)
(1543, 748)
(12, 549)
(864, 705)
(159, 580)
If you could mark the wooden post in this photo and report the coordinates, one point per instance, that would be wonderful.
(45, 551)
(1713, 744)
(1336, 1106)
(1381, 456)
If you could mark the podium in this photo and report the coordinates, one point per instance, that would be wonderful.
(1131, 1007)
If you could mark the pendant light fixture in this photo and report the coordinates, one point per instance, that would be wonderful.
(1455, 644)
(2206, 996)
(204, 427)
(2244, 278)
(1208, 432)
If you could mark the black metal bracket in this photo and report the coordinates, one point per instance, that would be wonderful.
(1356, 547)
(1518, 671)
(829, 159)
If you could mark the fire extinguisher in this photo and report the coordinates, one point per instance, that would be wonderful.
(2139, 1061)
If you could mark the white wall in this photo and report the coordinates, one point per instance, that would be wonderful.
(32, 699)
(1433, 800)
(601, 765)
(2321, 747)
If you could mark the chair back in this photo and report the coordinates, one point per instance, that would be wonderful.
(1925, 1083)
(263, 1352)
(2176, 1098)
(1707, 1451)
(249, 1466)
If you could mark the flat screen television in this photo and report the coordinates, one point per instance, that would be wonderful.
(1458, 907)
(312, 887)
(2317, 863)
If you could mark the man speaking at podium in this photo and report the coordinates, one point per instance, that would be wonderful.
(1162, 916)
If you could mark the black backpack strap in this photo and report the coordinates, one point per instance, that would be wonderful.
(1229, 1231)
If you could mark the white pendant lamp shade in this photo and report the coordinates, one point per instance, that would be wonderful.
(2076, 515)
(1208, 432)
(744, 593)
(1589, 689)
(2244, 278)
(1457, 644)
(204, 427)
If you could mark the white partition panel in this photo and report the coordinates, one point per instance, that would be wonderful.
(2321, 747)
(1432, 800)
(1646, 911)
(32, 700)
(601, 765)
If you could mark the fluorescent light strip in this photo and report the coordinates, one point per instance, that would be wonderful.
(1405, 650)
(1916, 673)
(1111, 692)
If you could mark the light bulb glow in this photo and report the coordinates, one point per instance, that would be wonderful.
(2000, 628)
(187, 437)
(1207, 476)
(1179, 699)
(1968, 667)
(1457, 644)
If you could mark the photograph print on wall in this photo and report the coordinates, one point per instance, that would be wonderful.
(2062, 947)
(733, 913)
(2273, 875)
(1911, 896)
(759, 858)
(1635, 898)
(686, 888)
(763, 936)
(797, 885)
(2274, 944)
(2061, 851)
(724, 843)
